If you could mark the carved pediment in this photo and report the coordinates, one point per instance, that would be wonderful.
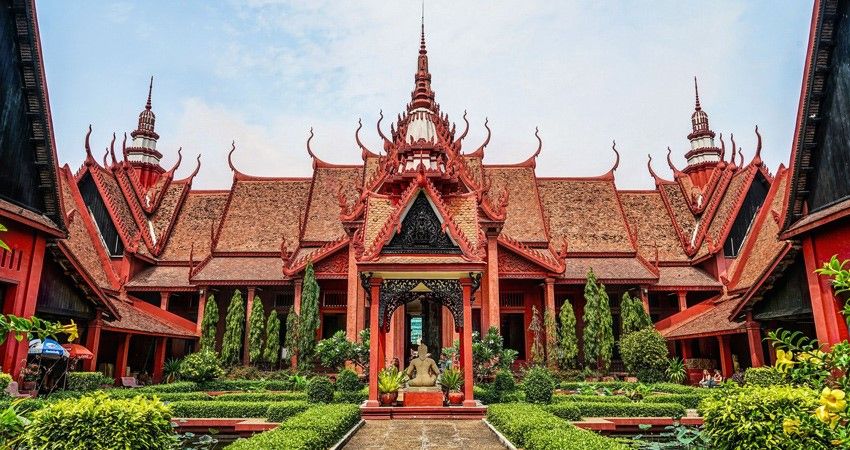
(421, 231)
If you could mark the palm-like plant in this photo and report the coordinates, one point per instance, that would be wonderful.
(676, 370)
(390, 380)
(170, 370)
(452, 379)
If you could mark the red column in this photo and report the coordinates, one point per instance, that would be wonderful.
(644, 298)
(202, 306)
(93, 343)
(466, 349)
(754, 339)
(685, 345)
(163, 300)
(245, 341)
(351, 329)
(550, 296)
(683, 300)
(159, 358)
(26, 296)
(725, 356)
(830, 325)
(121, 357)
(493, 283)
(375, 357)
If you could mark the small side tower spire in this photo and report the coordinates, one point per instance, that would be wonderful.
(142, 153)
(704, 154)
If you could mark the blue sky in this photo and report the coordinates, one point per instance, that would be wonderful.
(263, 72)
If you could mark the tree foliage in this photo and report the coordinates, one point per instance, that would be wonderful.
(308, 322)
(272, 351)
(536, 329)
(234, 330)
(632, 315)
(209, 325)
(293, 330)
(256, 331)
(552, 350)
(598, 324)
(568, 343)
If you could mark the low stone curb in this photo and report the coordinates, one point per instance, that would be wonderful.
(502, 439)
(344, 440)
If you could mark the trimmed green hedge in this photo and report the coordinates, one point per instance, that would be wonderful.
(531, 427)
(763, 376)
(88, 381)
(673, 388)
(318, 428)
(280, 411)
(164, 396)
(669, 388)
(566, 411)
(613, 385)
(180, 386)
(261, 396)
(561, 398)
(687, 400)
(220, 409)
(598, 409)
(25, 406)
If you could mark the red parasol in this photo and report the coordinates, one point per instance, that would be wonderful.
(77, 351)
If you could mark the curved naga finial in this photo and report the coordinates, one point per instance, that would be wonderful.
(676, 172)
(124, 147)
(105, 156)
(732, 159)
(722, 149)
(365, 151)
(539, 143)
(89, 157)
(741, 154)
(179, 160)
(465, 130)
(480, 150)
(387, 142)
(757, 158)
(230, 157)
(652, 172)
(112, 150)
(197, 168)
(617, 161)
(310, 150)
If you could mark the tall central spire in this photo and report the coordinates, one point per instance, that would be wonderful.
(422, 96)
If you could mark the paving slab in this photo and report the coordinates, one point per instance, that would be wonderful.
(424, 434)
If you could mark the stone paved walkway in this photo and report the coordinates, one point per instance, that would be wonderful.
(424, 434)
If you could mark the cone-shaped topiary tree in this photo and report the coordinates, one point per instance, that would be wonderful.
(598, 331)
(272, 350)
(209, 325)
(632, 315)
(293, 328)
(256, 331)
(234, 330)
(309, 319)
(552, 350)
(568, 344)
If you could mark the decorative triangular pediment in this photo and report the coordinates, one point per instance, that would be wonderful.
(421, 231)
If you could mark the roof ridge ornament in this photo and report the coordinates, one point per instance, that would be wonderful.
(697, 106)
(89, 158)
(757, 158)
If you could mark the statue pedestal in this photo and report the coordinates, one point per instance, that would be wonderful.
(423, 397)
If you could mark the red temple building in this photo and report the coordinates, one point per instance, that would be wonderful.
(424, 234)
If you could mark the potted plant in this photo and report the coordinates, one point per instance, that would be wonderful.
(452, 380)
(29, 373)
(390, 380)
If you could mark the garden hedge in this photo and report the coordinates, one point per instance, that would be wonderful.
(281, 411)
(561, 398)
(566, 411)
(88, 381)
(638, 409)
(262, 396)
(531, 427)
(319, 427)
(220, 409)
(763, 376)
(690, 401)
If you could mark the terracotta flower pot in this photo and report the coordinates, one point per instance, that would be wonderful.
(456, 398)
(389, 398)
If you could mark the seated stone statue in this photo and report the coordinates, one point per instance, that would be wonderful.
(422, 370)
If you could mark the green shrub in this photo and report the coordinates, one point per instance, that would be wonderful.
(637, 409)
(672, 388)
(572, 398)
(320, 390)
(219, 409)
(566, 411)
(533, 428)
(264, 396)
(503, 385)
(752, 418)
(763, 376)
(320, 427)
(644, 354)
(100, 422)
(87, 381)
(612, 385)
(5, 379)
(26, 406)
(690, 401)
(484, 394)
(200, 367)
(164, 396)
(280, 411)
(234, 385)
(538, 385)
(280, 385)
(349, 387)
